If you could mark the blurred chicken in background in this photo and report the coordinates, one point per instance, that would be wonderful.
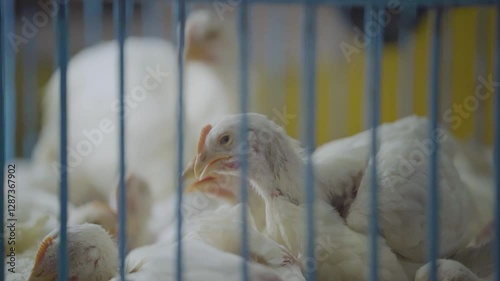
(151, 108)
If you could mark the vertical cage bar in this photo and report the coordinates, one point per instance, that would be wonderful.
(180, 17)
(433, 194)
(129, 15)
(10, 82)
(30, 89)
(372, 90)
(121, 7)
(62, 51)
(2, 133)
(92, 16)
(369, 60)
(174, 27)
(309, 125)
(496, 239)
(243, 40)
(153, 16)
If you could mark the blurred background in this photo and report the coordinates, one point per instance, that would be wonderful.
(276, 32)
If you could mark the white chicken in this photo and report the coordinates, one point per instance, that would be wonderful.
(478, 259)
(214, 43)
(33, 225)
(162, 225)
(201, 262)
(475, 166)
(163, 221)
(448, 270)
(221, 228)
(92, 256)
(275, 172)
(222, 186)
(151, 101)
(403, 166)
(37, 214)
(36, 211)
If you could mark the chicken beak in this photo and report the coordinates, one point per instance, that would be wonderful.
(205, 165)
(209, 185)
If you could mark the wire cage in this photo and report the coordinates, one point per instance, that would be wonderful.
(391, 59)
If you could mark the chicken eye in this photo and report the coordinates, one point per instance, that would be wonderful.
(224, 140)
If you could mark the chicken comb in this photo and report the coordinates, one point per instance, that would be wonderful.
(203, 136)
(43, 248)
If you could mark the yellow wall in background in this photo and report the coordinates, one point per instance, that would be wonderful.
(462, 22)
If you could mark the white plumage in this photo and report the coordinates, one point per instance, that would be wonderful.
(201, 262)
(448, 270)
(151, 108)
(221, 228)
(212, 230)
(403, 173)
(275, 172)
(92, 256)
(151, 115)
(37, 210)
(226, 189)
(340, 168)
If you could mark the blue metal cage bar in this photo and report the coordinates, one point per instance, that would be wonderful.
(180, 17)
(62, 50)
(153, 14)
(373, 74)
(10, 87)
(129, 15)
(309, 129)
(121, 7)
(2, 133)
(433, 195)
(243, 39)
(92, 14)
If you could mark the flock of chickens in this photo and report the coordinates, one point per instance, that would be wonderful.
(212, 220)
